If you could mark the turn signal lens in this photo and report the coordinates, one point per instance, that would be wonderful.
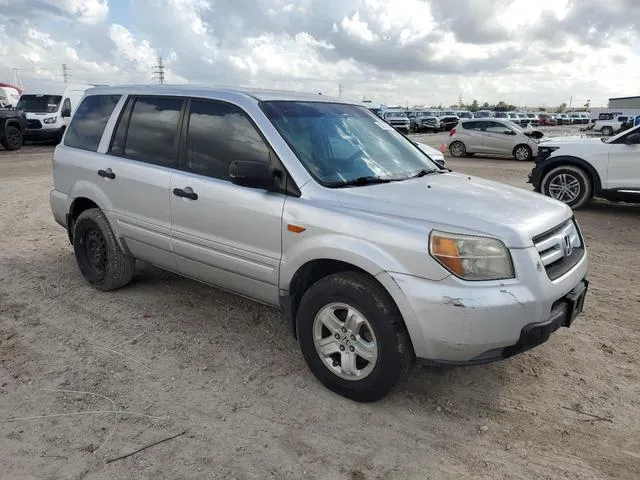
(445, 250)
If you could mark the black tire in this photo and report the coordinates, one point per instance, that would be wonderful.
(12, 138)
(458, 149)
(522, 148)
(395, 355)
(100, 259)
(570, 172)
(606, 131)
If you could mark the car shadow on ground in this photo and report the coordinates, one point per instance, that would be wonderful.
(606, 207)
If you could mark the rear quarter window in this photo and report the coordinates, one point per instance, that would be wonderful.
(87, 125)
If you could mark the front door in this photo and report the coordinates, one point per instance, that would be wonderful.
(497, 139)
(624, 164)
(225, 234)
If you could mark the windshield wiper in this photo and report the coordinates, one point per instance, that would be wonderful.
(424, 172)
(357, 182)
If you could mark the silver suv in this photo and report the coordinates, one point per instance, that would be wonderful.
(374, 253)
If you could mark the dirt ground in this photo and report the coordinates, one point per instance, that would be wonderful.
(170, 355)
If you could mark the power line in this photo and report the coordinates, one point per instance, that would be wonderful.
(65, 73)
(159, 71)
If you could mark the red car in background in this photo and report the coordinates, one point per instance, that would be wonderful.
(546, 119)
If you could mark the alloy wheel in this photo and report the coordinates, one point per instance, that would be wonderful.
(564, 187)
(345, 341)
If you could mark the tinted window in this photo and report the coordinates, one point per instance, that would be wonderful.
(87, 126)
(472, 125)
(218, 134)
(153, 130)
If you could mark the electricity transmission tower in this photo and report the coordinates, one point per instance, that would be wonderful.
(65, 73)
(159, 71)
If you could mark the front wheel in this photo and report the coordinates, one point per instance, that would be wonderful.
(606, 131)
(100, 259)
(352, 336)
(568, 184)
(458, 149)
(522, 153)
(12, 138)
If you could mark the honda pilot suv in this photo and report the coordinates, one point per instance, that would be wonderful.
(375, 254)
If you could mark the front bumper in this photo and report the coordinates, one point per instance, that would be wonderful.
(43, 133)
(456, 322)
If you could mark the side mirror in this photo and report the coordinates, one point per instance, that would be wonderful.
(632, 139)
(66, 112)
(252, 174)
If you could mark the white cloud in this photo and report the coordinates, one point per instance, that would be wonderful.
(400, 51)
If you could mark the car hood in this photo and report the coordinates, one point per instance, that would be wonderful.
(558, 141)
(462, 204)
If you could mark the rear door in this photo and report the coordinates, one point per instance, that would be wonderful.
(470, 132)
(143, 156)
(225, 234)
(496, 138)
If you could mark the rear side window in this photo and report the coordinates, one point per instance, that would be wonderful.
(152, 131)
(219, 133)
(471, 125)
(87, 126)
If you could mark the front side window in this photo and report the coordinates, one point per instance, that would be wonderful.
(153, 129)
(39, 103)
(340, 143)
(219, 133)
(87, 126)
(495, 127)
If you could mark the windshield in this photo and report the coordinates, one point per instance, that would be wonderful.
(464, 115)
(39, 103)
(340, 143)
(514, 126)
(396, 115)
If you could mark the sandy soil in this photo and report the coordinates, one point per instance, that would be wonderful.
(226, 371)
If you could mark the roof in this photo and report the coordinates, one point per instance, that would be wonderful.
(207, 91)
(624, 98)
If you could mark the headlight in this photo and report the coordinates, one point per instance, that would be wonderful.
(544, 152)
(470, 257)
(50, 120)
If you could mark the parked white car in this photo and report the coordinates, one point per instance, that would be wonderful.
(492, 135)
(573, 170)
(376, 255)
(433, 153)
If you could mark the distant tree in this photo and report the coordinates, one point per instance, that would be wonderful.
(542, 109)
(501, 107)
(587, 104)
(473, 107)
(485, 106)
(561, 108)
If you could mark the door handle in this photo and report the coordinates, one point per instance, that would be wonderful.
(186, 192)
(108, 173)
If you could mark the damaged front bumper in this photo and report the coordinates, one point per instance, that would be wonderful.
(458, 322)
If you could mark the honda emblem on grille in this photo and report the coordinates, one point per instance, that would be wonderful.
(567, 247)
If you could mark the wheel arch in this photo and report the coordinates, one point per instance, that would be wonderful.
(559, 161)
(78, 205)
(314, 270)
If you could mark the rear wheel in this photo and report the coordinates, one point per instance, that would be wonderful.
(606, 131)
(12, 138)
(100, 259)
(352, 336)
(522, 152)
(458, 149)
(569, 184)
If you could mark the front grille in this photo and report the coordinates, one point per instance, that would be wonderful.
(560, 249)
(34, 124)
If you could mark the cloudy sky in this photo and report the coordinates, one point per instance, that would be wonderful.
(526, 52)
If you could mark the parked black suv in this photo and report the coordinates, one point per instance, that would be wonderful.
(12, 126)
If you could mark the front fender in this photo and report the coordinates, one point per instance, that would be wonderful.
(552, 162)
(332, 246)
